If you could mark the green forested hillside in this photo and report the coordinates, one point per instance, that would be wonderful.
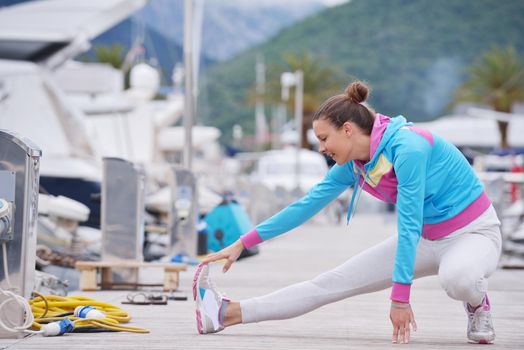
(413, 53)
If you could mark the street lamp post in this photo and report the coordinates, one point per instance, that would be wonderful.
(188, 91)
(296, 79)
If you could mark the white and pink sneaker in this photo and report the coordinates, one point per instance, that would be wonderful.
(480, 324)
(210, 303)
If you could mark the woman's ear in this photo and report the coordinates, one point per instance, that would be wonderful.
(348, 128)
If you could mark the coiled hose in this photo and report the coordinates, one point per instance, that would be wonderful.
(52, 308)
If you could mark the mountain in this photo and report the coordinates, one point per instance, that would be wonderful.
(413, 53)
(228, 26)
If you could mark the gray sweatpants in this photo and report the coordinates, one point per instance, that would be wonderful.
(463, 260)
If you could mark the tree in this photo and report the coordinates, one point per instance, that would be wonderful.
(319, 83)
(497, 80)
(114, 54)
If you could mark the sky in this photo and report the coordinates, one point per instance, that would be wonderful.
(333, 2)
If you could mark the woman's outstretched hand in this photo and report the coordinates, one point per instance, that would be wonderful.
(231, 253)
(402, 319)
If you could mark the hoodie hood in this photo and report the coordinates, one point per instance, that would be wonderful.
(383, 130)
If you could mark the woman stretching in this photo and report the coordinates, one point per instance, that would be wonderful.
(446, 225)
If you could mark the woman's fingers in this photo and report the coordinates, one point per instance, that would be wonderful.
(207, 259)
(406, 332)
(401, 333)
(394, 338)
(227, 265)
(230, 253)
(213, 257)
(413, 322)
(402, 319)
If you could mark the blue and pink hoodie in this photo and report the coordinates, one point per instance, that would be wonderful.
(435, 189)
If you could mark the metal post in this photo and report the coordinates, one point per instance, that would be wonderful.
(123, 191)
(183, 234)
(260, 118)
(277, 122)
(299, 100)
(296, 79)
(19, 183)
(189, 100)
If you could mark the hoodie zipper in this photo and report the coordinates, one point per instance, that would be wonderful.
(357, 190)
(356, 194)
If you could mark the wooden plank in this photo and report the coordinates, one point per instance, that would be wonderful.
(129, 263)
(170, 280)
(89, 270)
(106, 277)
(88, 279)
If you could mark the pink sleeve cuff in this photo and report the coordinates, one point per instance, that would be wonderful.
(250, 239)
(400, 292)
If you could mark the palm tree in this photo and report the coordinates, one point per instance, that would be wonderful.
(496, 80)
(114, 54)
(319, 83)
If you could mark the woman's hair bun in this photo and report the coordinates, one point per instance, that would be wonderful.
(357, 91)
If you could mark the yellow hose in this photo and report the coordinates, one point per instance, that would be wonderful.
(52, 308)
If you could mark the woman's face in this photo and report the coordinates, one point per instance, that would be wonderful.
(340, 144)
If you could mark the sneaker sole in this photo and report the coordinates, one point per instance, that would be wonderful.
(481, 341)
(199, 322)
(200, 325)
(195, 280)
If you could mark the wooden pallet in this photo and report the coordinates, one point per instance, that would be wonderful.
(89, 274)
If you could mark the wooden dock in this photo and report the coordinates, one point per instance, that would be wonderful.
(357, 323)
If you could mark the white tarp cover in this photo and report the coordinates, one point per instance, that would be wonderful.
(63, 20)
(28, 108)
(475, 132)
